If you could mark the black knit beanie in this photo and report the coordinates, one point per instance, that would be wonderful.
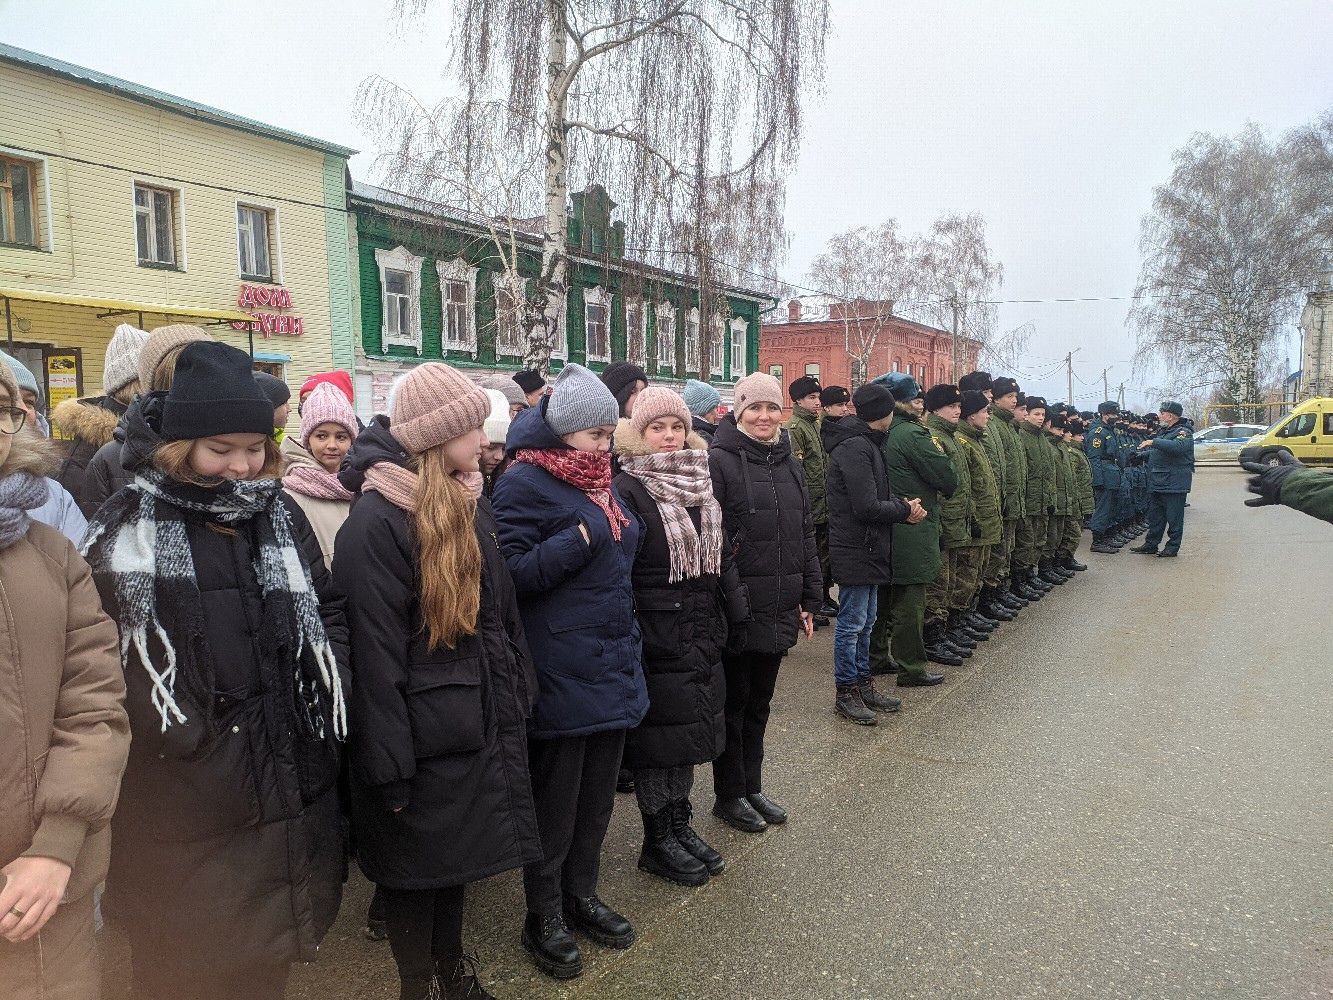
(529, 380)
(214, 392)
(620, 377)
(942, 395)
(277, 391)
(873, 402)
(973, 402)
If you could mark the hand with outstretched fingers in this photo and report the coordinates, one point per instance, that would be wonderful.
(34, 887)
(1268, 479)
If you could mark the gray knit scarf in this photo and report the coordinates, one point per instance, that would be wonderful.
(678, 480)
(20, 492)
(138, 544)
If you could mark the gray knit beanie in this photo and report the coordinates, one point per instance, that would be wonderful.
(580, 400)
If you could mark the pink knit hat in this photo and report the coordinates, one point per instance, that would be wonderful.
(658, 401)
(435, 403)
(758, 387)
(326, 405)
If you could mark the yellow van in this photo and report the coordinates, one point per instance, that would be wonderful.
(1306, 432)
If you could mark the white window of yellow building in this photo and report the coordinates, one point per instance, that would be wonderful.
(458, 302)
(400, 280)
(256, 242)
(157, 211)
(19, 203)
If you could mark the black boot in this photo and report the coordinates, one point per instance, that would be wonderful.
(1009, 597)
(681, 811)
(849, 705)
(1049, 575)
(883, 668)
(664, 856)
(936, 651)
(949, 646)
(740, 815)
(976, 621)
(589, 915)
(1072, 564)
(460, 982)
(926, 679)
(875, 701)
(551, 946)
(625, 781)
(1145, 549)
(959, 627)
(1020, 590)
(774, 814)
(1102, 544)
(1036, 581)
(996, 606)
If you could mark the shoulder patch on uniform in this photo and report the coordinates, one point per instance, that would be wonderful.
(1097, 442)
(937, 443)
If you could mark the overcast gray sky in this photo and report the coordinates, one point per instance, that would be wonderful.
(1053, 119)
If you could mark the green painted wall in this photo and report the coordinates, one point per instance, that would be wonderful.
(376, 230)
(336, 247)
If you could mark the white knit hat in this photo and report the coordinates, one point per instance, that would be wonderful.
(497, 424)
(122, 358)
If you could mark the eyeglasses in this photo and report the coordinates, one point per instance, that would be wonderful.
(11, 420)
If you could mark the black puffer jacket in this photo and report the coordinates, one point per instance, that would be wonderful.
(861, 507)
(229, 837)
(443, 733)
(373, 444)
(111, 469)
(767, 518)
(684, 627)
(704, 429)
(89, 423)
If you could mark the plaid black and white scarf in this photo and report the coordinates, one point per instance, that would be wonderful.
(138, 545)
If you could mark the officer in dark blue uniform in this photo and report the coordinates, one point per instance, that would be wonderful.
(1170, 476)
(1102, 448)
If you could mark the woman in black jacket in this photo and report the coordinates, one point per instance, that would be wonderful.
(443, 680)
(679, 599)
(228, 855)
(767, 518)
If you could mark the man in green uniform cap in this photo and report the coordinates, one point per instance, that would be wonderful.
(1081, 501)
(1038, 497)
(987, 525)
(808, 448)
(943, 628)
(1063, 498)
(1009, 590)
(917, 468)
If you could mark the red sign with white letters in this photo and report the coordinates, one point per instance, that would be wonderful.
(255, 297)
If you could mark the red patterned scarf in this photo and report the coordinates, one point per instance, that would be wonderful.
(589, 471)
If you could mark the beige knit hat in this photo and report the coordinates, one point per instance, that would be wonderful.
(757, 388)
(159, 344)
(658, 401)
(435, 403)
(10, 384)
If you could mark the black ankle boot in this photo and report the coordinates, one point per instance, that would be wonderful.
(664, 856)
(589, 915)
(681, 813)
(551, 946)
(460, 982)
(937, 651)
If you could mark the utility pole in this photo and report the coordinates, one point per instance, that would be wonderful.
(1122, 395)
(1106, 389)
(1069, 375)
(953, 342)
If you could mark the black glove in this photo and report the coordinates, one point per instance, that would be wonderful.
(1051, 510)
(1268, 479)
(974, 528)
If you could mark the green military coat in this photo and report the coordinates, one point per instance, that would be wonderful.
(1014, 501)
(1064, 479)
(917, 468)
(985, 489)
(1082, 472)
(1310, 491)
(957, 511)
(1039, 496)
(808, 448)
(993, 442)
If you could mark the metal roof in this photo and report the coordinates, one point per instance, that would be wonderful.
(157, 98)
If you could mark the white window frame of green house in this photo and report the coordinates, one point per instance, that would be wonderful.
(402, 306)
(248, 242)
(636, 332)
(38, 202)
(692, 339)
(717, 356)
(509, 340)
(459, 317)
(666, 324)
(740, 330)
(151, 254)
(597, 299)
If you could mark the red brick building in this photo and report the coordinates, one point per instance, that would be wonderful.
(825, 339)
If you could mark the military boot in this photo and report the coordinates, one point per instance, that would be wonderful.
(874, 700)
(1072, 564)
(1009, 597)
(1102, 544)
(1049, 575)
(664, 856)
(681, 812)
(957, 628)
(990, 605)
(936, 651)
(849, 705)
(1035, 581)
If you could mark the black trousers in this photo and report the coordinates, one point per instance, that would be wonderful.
(425, 929)
(751, 678)
(574, 789)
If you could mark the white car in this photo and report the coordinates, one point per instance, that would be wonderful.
(1223, 442)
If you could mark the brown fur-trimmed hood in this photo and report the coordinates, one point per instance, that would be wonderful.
(30, 452)
(628, 441)
(90, 420)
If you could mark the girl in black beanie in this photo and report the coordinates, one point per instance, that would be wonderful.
(228, 858)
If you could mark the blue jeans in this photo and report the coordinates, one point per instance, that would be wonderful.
(857, 607)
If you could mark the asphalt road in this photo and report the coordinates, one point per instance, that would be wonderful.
(1127, 793)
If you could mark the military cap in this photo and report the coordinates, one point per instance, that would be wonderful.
(834, 395)
(973, 402)
(1003, 387)
(942, 395)
(1171, 406)
(803, 386)
(1036, 403)
(1110, 406)
(975, 382)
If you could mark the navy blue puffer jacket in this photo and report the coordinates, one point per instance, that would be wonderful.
(575, 597)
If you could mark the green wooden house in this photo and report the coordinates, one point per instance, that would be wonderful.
(429, 286)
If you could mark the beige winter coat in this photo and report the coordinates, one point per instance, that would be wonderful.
(64, 734)
(325, 516)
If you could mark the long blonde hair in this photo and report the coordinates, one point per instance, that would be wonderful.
(450, 558)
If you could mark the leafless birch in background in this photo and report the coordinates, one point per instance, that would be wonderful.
(958, 281)
(1234, 239)
(687, 111)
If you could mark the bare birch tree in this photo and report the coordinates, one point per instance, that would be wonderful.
(1233, 240)
(689, 111)
(957, 281)
(866, 270)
